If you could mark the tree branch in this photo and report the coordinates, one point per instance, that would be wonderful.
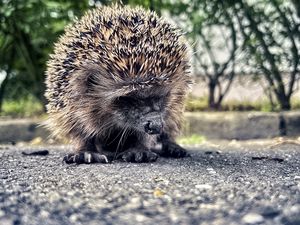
(294, 48)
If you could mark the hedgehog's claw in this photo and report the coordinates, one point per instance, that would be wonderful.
(138, 156)
(85, 157)
(171, 149)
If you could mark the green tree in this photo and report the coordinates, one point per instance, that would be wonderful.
(212, 33)
(270, 30)
(27, 32)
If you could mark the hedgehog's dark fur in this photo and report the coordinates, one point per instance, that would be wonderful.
(112, 72)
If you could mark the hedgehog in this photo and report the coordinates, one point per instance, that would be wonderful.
(116, 85)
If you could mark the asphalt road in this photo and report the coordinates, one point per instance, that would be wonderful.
(221, 184)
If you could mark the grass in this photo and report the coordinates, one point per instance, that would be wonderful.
(196, 104)
(295, 103)
(191, 140)
(28, 107)
(31, 107)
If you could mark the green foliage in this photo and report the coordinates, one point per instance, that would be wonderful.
(194, 104)
(28, 30)
(270, 32)
(267, 33)
(154, 5)
(211, 30)
(27, 107)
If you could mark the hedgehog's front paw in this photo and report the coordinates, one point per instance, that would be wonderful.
(171, 149)
(138, 156)
(85, 157)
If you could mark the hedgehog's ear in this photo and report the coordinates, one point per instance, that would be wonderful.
(91, 75)
(96, 79)
(83, 81)
(91, 82)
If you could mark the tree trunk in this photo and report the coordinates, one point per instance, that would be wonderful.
(284, 101)
(2, 90)
(270, 96)
(211, 94)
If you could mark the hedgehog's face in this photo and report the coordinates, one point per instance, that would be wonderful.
(144, 113)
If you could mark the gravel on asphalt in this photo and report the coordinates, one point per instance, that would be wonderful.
(219, 184)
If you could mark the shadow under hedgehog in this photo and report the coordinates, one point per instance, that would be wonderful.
(116, 85)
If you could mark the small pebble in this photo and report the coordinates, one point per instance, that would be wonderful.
(44, 214)
(2, 213)
(253, 218)
(7, 221)
(134, 203)
(140, 218)
(269, 212)
(73, 218)
(203, 186)
(158, 193)
(211, 171)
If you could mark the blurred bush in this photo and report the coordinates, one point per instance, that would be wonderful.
(27, 32)
(22, 107)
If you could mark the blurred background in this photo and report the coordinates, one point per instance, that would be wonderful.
(245, 52)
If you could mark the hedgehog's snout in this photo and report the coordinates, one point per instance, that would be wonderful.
(153, 127)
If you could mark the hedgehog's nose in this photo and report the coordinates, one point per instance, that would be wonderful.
(153, 127)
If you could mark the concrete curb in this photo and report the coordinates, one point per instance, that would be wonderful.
(242, 125)
(14, 130)
(213, 125)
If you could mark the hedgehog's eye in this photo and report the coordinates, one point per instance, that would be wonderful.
(124, 101)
